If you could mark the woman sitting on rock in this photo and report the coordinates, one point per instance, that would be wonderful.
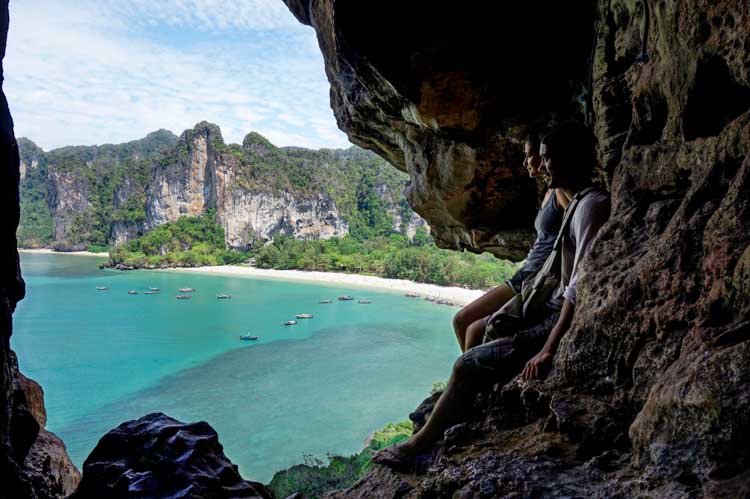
(469, 323)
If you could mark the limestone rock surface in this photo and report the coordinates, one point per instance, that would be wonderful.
(157, 456)
(49, 468)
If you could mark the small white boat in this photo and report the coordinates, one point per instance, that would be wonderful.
(345, 298)
(290, 323)
(153, 289)
(132, 292)
(186, 290)
(102, 288)
(304, 316)
(364, 302)
(221, 296)
(247, 337)
(150, 292)
(325, 301)
(184, 297)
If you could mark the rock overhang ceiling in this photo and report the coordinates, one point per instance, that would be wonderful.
(448, 94)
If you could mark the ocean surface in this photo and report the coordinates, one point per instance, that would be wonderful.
(320, 387)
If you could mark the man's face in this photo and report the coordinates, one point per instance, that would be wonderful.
(553, 169)
(532, 161)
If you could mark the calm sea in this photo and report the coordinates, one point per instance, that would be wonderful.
(319, 387)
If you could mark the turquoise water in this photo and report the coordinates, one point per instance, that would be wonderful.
(319, 387)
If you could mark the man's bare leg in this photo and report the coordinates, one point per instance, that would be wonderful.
(448, 411)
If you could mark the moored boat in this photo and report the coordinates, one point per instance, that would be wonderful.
(222, 296)
(102, 288)
(153, 289)
(290, 323)
(183, 297)
(247, 337)
(304, 316)
(132, 292)
(150, 292)
(364, 302)
(345, 298)
(186, 290)
(325, 301)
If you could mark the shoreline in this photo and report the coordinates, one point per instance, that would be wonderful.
(459, 296)
(49, 251)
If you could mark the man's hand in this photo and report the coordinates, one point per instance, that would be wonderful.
(537, 366)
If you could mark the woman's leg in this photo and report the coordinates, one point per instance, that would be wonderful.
(483, 306)
(475, 333)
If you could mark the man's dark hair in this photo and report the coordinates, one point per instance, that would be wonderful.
(573, 143)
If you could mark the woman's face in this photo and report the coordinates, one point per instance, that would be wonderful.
(532, 160)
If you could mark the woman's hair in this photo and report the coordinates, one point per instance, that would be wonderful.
(573, 143)
(533, 141)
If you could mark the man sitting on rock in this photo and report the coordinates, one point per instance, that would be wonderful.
(568, 160)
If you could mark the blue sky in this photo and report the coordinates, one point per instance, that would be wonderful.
(108, 71)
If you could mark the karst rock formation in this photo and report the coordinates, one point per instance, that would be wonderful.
(648, 395)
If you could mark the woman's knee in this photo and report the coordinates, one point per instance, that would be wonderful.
(461, 321)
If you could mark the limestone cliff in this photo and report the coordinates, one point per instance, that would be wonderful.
(111, 194)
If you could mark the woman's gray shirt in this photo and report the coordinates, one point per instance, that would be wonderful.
(547, 224)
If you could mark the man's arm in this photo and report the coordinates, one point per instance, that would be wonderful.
(591, 214)
(542, 361)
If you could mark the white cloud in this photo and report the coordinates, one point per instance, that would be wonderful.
(88, 73)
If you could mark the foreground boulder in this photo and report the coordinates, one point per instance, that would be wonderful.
(157, 456)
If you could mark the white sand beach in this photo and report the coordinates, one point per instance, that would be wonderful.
(459, 296)
(51, 251)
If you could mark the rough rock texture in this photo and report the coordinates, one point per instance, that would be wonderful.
(34, 397)
(16, 431)
(649, 393)
(184, 187)
(33, 155)
(49, 468)
(157, 456)
(68, 196)
(123, 231)
(47, 465)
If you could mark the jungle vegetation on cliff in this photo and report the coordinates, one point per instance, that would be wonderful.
(159, 202)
